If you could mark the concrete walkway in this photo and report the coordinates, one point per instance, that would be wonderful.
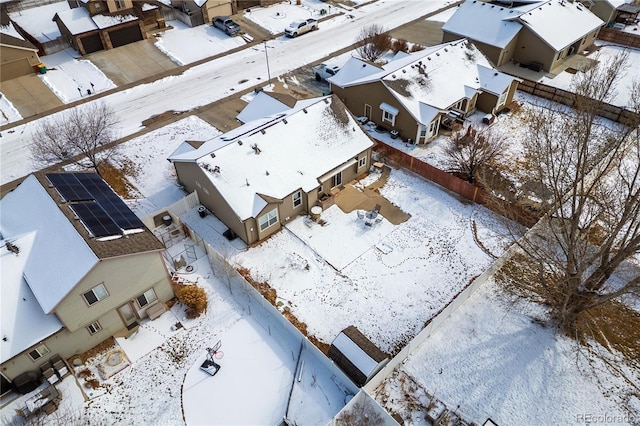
(29, 95)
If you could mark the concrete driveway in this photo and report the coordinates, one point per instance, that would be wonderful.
(132, 62)
(29, 95)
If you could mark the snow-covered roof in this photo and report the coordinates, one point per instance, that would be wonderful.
(50, 272)
(355, 354)
(354, 71)
(260, 106)
(10, 30)
(15, 42)
(484, 22)
(37, 21)
(295, 147)
(560, 23)
(106, 21)
(77, 20)
(147, 6)
(430, 81)
(23, 322)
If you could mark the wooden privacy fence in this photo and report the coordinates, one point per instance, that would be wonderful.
(608, 111)
(455, 184)
(619, 37)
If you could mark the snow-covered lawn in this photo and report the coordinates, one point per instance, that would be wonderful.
(387, 280)
(8, 113)
(69, 78)
(277, 17)
(184, 45)
(491, 359)
(152, 175)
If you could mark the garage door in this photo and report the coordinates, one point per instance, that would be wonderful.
(125, 36)
(92, 43)
(15, 69)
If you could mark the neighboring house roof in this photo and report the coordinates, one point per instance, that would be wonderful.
(23, 322)
(77, 20)
(52, 273)
(629, 8)
(430, 81)
(106, 21)
(9, 29)
(296, 147)
(484, 22)
(19, 43)
(260, 106)
(558, 23)
(38, 21)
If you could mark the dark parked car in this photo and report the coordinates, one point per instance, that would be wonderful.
(226, 24)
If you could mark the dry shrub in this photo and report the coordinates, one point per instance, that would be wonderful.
(84, 373)
(416, 48)
(193, 297)
(92, 384)
(400, 45)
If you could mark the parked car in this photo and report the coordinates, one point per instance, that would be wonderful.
(324, 71)
(226, 24)
(297, 28)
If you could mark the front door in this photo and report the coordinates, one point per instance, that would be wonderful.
(367, 111)
(128, 314)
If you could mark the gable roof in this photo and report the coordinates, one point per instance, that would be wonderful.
(18, 43)
(558, 23)
(52, 273)
(430, 81)
(261, 105)
(77, 20)
(38, 21)
(295, 147)
(23, 322)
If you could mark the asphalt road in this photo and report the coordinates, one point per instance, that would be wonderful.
(219, 78)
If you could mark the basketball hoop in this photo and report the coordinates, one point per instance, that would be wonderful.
(218, 354)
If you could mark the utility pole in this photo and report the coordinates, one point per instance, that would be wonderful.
(267, 56)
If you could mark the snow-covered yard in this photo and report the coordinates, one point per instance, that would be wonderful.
(387, 280)
(491, 359)
(277, 17)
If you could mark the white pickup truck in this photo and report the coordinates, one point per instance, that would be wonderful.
(324, 71)
(297, 28)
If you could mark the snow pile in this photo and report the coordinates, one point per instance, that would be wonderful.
(8, 113)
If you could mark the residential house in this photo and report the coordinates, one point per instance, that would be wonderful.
(416, 94)
(266, 172)
(536, 34)
(77, 268)
(611, 11)
(197, 12)
(17, 55)
(98, 25)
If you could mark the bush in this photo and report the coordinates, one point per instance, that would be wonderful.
(193, 297)
(373, 42)
(400, 45)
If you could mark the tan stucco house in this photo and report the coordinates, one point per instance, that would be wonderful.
(196, 12)
(418, 93)
(268, 171)
(100, 25)
(77, 268)
(539, 34)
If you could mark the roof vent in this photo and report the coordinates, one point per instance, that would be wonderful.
(216, 169)
(267, 173)
(284, 120)
(262, 131)
(256, 149)
(326, 101)
(495, 74)
(240, 143)
(213, 155)
(12, 247)
(247, 180)
(304, 110)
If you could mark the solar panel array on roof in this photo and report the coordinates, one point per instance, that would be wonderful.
(95, 203)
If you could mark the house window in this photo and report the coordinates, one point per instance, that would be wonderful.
(297, 199)
(503, 98)
(268, 219)
(39, 352)
(120, 4)
(96, 294)
(94, 327)
(362, 162)
(388, 113)
(336, 180)
(433, 126)
(146, 298)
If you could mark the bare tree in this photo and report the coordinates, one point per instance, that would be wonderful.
(470, 151)
(79, 134)
(372, 42)
(584, 253)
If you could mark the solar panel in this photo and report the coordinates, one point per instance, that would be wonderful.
(69, 187)
(106, 214)
(96, 219)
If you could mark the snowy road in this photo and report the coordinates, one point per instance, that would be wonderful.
(222, 77)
